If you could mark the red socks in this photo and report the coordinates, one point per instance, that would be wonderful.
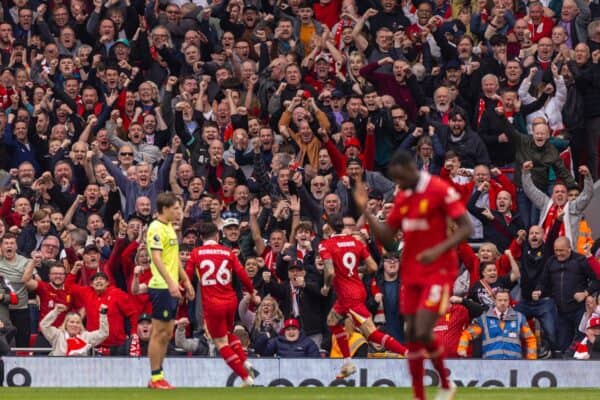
(342, 339)
(415, 365)
(236, 346)
(233, 361)
(387, 341)
(436, 352)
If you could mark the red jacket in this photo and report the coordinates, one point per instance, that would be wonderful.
(119, 305)
(141, 302)
(329, 13)
(543, 29)
(497, 184)
(339, 159)
(12, 218)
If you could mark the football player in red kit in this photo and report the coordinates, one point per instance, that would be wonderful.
(429, 262)
(215, 265)
(342, 255)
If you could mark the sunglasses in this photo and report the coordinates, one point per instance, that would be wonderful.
(126, 154)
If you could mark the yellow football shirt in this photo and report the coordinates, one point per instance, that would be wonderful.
(161, 236)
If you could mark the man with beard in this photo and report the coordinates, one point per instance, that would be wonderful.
(388, 137)
(440, 111)
(265, 142)
(6, 35)
(240, 242)
(356, 174)
(457, 136)
(50, 292)
(142, 209)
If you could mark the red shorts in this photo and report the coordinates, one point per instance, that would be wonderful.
(357, 311)
(432, 296)
(219, 318)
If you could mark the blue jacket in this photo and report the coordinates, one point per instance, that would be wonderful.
(501, 344)
(280, 347)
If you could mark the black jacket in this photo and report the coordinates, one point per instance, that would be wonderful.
(532, 264)
(470, 148)
(496, 230)
(313, 306)
(565, 278)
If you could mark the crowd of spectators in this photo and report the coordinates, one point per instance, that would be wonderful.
(262, 116)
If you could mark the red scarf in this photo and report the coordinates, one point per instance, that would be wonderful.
(481, 109)
(549, 222)
(75, 345)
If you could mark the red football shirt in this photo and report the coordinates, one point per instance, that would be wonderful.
(422, 215)
(346, 253)
(50, 297)
(215, 265)
(449, 327)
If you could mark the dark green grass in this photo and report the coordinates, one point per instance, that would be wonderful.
(289, 394)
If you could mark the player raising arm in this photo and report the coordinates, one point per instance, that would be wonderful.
(215, 264)
(429, 262)
(164, 286)
(342, 255)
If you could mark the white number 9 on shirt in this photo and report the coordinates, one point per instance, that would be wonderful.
(223, 275)
(349, 261)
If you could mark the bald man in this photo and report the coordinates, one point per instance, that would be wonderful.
(567, 276)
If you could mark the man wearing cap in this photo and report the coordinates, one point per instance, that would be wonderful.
(299, 291)
(383, 299)
(137, 343)
(589, 347)
(241, 243)
(119, 305)
(355, 172)
(291, 343)
(352, 148)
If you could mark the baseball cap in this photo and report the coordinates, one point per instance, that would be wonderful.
(352, 142)
(452, 64)
(91, 247)
(594, 323)
(323, 57)
(296, 265)
(144, 317)
(353, 160)
(250, 6)
(337, 94)
(291, 323)
(454, 27)
(230, 221)
(122, 41)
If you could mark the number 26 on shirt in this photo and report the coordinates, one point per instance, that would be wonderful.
(210, 278)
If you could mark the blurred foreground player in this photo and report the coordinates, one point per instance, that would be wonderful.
(215, 265)
(342, 255)
(429, 262)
